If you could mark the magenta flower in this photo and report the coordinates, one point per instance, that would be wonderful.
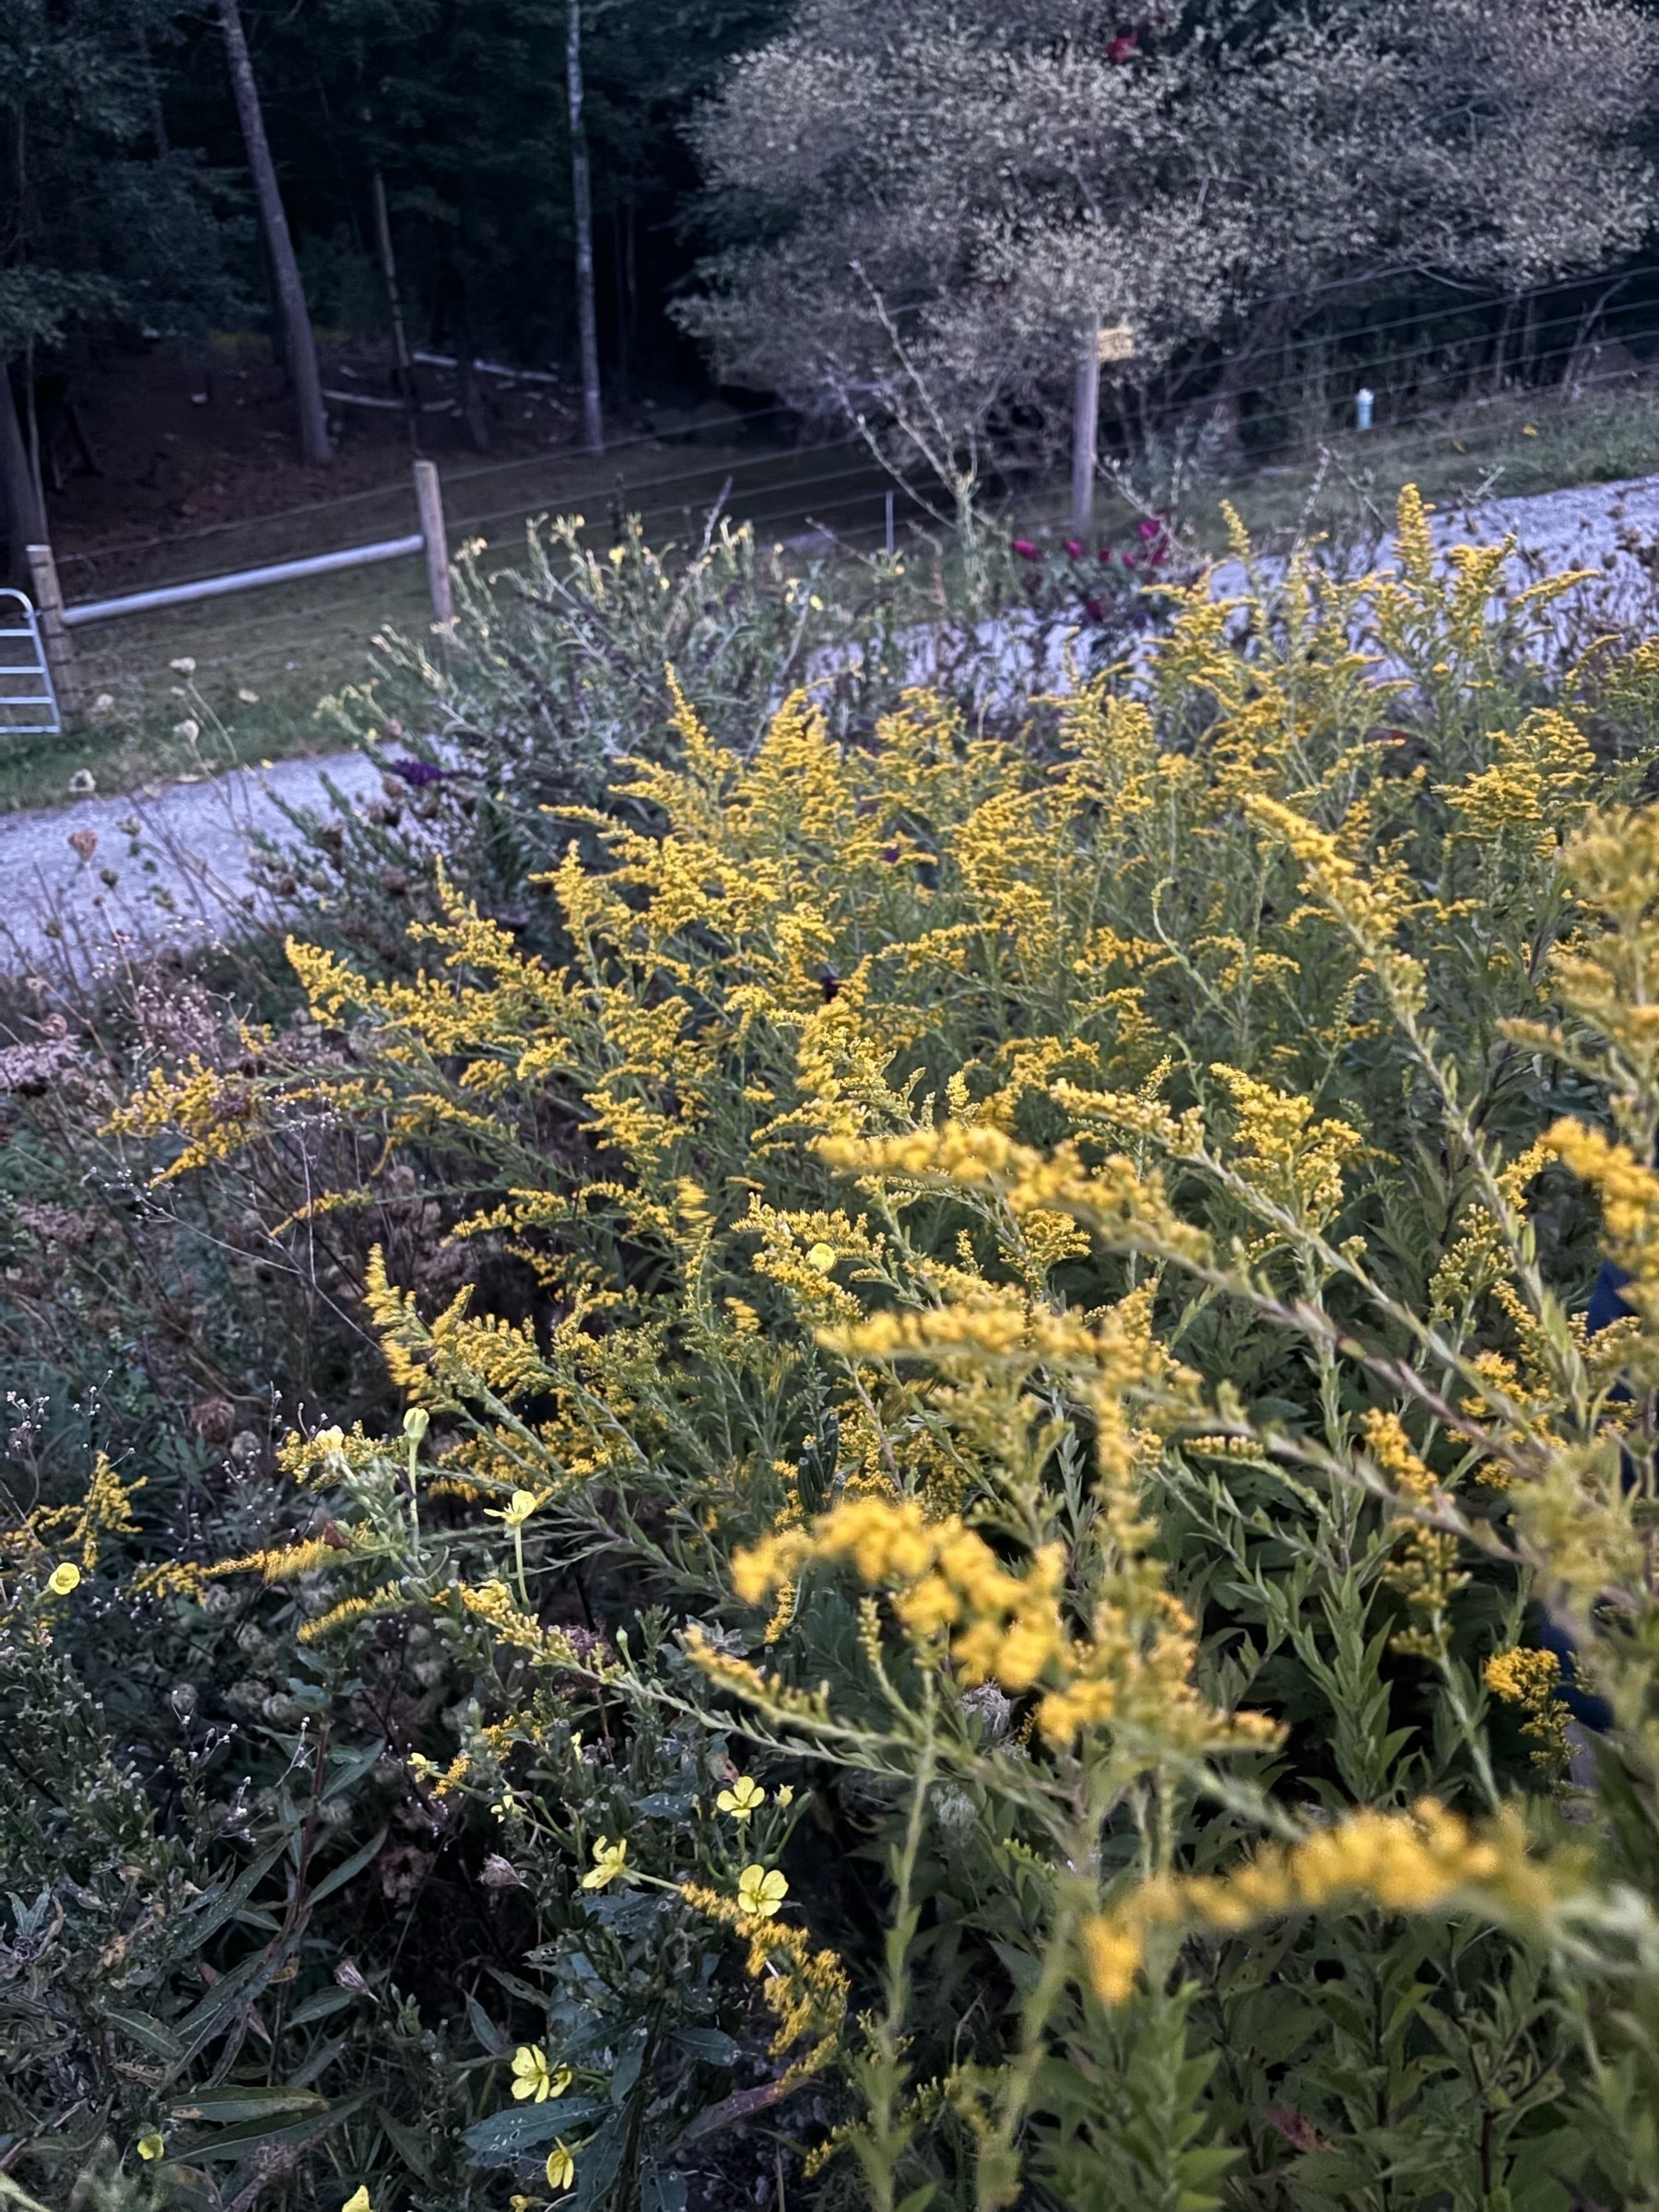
(1026, 549)
(1074, 550)
(1094, 610)
(1148, 528)
(1122, 49)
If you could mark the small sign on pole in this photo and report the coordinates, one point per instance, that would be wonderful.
(1116, 342)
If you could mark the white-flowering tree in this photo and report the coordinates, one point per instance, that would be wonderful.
(928, 209)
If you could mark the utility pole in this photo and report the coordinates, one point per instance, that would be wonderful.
(582, 200)
(300, 347)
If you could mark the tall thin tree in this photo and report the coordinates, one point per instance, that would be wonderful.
(300, 347)
(582, 200)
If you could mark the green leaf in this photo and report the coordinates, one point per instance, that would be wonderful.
(347, 1871)
(490, 2037)
(505, 2136)
(710, 2045)
(223, 2106)
(352, 1768)
(237, 1990)
(625, 2071)
(321, 2005)
(408, 2143)
(215, 1910)
(661, 2189)
(147, 2031)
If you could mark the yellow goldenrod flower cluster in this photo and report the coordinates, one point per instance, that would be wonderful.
(947, 1584)
(1424, 1563)
(805, 1990)
(1532, 1680)
(1423, 1861)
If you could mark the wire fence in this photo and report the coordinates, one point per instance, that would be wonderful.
(832, 489)
(1557, 390)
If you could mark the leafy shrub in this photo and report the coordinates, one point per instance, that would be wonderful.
(956, 1613)
(570, 659)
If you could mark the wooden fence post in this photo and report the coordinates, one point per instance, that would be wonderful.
(429, 497)
(54, 635)
(1085, 427)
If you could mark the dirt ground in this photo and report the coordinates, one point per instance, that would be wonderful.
(157, 444)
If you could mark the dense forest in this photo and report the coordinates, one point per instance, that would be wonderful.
(898, 216)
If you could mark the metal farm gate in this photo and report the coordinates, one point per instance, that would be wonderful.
(29, 706)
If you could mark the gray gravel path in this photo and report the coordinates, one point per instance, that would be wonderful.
(89, 883)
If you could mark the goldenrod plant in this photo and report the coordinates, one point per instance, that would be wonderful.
(1014, 1577)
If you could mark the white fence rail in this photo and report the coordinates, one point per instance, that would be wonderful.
(239, 579)
(51, 620)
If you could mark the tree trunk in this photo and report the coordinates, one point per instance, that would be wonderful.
(298, 346)
(24, 508)
(582, 200)
(400, 343)
(1086, 426)
(620, 272)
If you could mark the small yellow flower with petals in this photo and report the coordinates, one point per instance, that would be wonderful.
(151, 2147)
(760, 1893)
(358, 2200)
(63, 1578)
(561, 2167)
(744, 1797)
(531, 2076)
(785, 1796)
(517, 1510)
(610, 1861)
(823, 1257)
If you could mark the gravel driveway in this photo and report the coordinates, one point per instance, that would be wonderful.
(88, 884)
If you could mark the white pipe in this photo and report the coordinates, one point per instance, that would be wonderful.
(398, 407)
(518, 376)
(242, 580)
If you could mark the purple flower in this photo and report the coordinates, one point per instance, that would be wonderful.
(1094, 610)
(418, 774)
(1026, 549)
(1128, 561)
(1148, 528)
(1104, 556)
(1074, 551)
